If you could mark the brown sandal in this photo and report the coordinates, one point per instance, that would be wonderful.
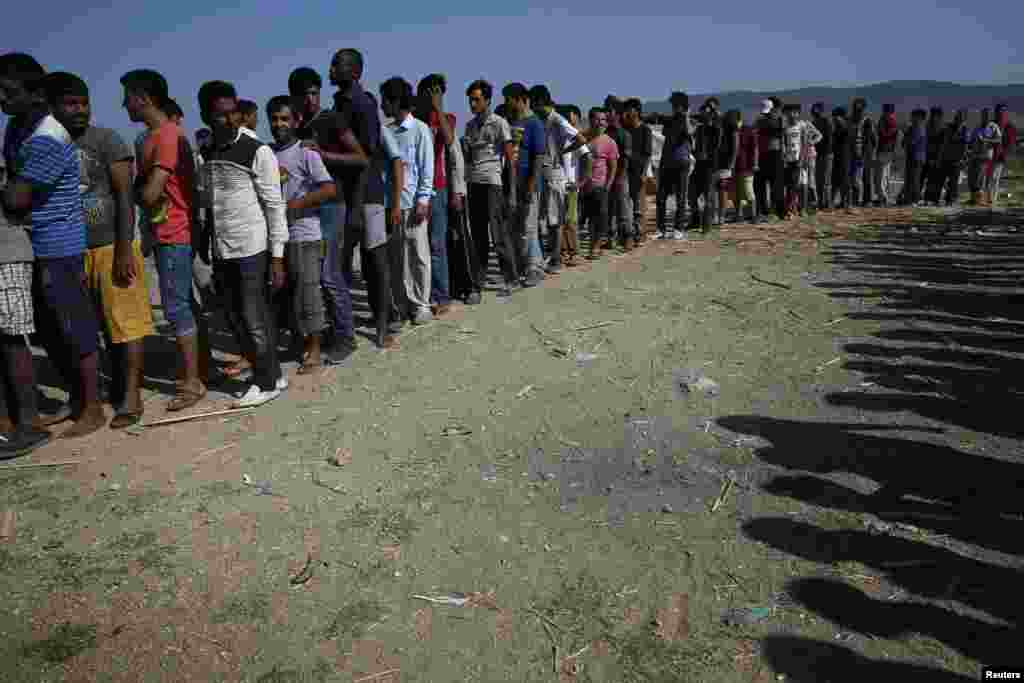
(185, 398)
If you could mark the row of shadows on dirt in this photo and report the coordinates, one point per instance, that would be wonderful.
(950, 307)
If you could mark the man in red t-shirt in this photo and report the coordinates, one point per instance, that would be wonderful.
(165, 189)
(430, 109)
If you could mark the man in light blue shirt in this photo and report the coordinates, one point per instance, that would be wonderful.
(410, 246)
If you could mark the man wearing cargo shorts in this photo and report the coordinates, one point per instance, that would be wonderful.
(562, 140)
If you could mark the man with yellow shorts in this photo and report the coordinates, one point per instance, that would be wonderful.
(114, 270)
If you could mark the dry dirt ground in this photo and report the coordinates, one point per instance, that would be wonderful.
(786, 452)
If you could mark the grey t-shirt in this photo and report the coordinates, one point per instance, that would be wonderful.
(97, 149)
(485, 142)
(302, 172)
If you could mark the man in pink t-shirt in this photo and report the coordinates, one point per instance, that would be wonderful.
(604, 155)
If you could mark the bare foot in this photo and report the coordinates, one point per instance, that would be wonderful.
(91, 420)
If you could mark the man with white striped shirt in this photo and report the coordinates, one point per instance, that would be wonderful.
(249, 236)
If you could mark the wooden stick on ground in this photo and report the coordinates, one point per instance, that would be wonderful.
(198, 416)
(594, 327)
(769, 282)
(37, 465)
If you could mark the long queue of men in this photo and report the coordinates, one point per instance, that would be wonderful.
(266, 234)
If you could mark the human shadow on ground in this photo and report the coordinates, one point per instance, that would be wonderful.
(803, 660)
(948, 299)
(948, 295)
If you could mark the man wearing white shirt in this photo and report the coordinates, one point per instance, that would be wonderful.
(557, 167)
(249, 236)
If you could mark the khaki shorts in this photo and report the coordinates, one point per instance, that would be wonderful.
(126, 310)
(572, 215)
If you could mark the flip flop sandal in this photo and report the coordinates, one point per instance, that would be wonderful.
(185, 399)
(126, 419)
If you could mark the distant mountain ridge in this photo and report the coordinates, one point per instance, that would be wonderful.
(906, 95)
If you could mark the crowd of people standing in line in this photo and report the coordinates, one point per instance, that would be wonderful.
(265, 234)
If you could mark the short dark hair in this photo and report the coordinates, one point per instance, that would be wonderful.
(277, 103)
(860, 102)
(776, 102)
(680, 98)
(398, 90)
(714, 100)
(792, 106)
(172, 108)
(597, 110)
(355, 55)
(1001, 107)
(147, 82)
(248, 107)
(302, 79)
(214, 90)
(61, 83)
(432, 81)
(485, 88)
(818, 108)
(573, 109)
(633, 104)
(936, 111)
(18, 66)
(839, 112)
(517, 90)
(613, 103)
(919, 113)
(889, 108)
(540, 95)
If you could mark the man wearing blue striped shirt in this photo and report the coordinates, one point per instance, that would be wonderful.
(411, 244)
(45, 188)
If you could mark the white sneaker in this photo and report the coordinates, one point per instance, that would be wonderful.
(282, 383)
(256, 397)
(678, 235)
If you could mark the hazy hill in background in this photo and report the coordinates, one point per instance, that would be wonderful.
(906, 95)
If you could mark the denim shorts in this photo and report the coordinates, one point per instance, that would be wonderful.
(174, 265)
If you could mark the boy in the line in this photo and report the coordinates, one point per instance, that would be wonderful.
(114, 267)
(45, 186)
(305, 186)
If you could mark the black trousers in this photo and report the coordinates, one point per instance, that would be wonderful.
(768, 184)
(247, 298)
(487, 218)
(463, 257)
(595, 209)
(913, 181)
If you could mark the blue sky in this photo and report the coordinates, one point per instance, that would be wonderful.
(582, 51)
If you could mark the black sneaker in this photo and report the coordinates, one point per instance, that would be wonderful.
(22, 442)
(533, 278)
(340, 352)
